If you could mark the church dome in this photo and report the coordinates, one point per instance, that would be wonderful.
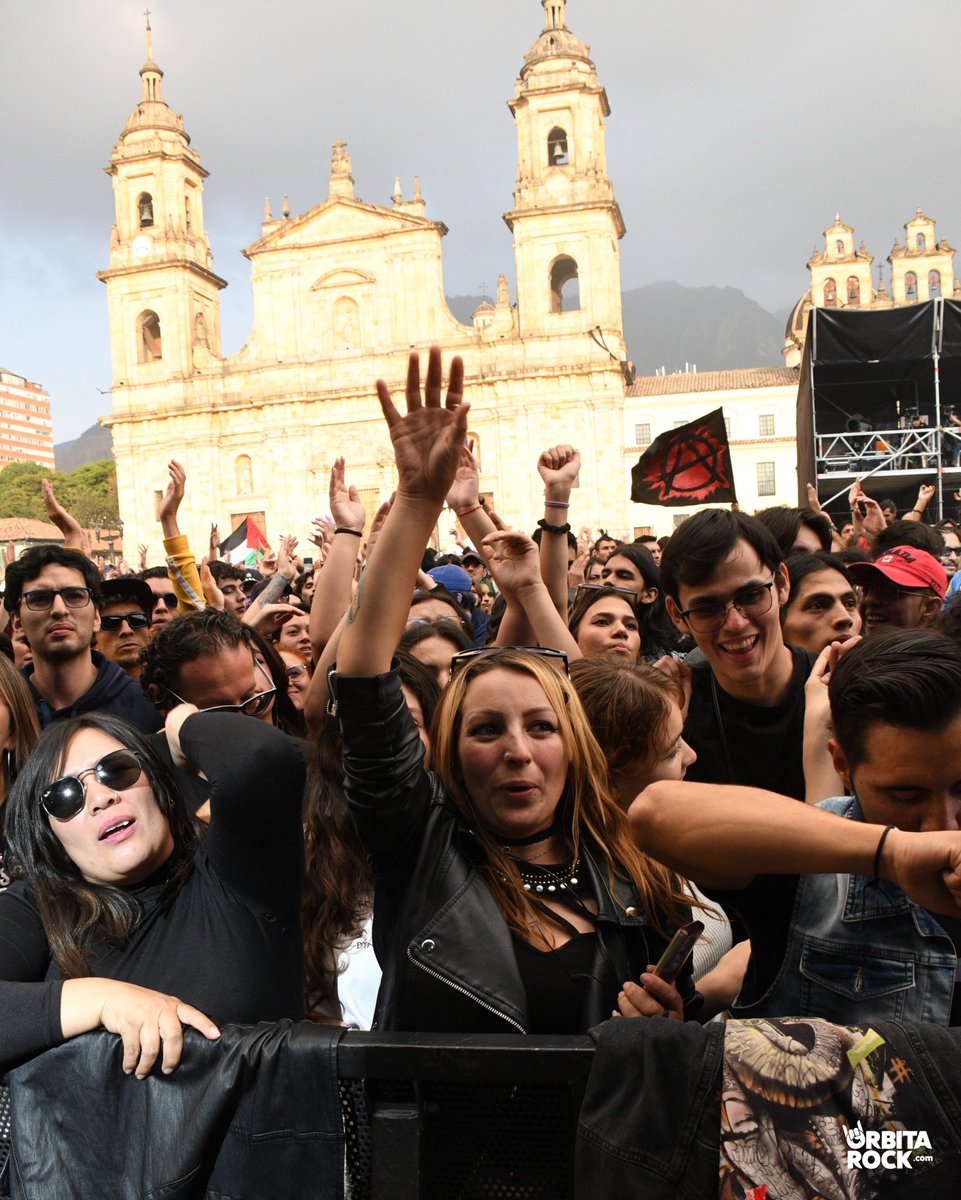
(794, 329)
(556, 44)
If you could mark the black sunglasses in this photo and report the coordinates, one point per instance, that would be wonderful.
(64, 798)
(136, 620)
(464, 657)
(169, 598)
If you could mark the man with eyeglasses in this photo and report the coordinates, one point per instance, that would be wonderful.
(903, 589)
(53, 594)
(725, 585)
(125, 622)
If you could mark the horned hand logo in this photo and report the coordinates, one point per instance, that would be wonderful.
(889, 1149)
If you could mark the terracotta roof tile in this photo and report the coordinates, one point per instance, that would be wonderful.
(16, 529)
(714, 381)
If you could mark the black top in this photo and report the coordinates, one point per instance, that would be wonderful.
(765, 744)
(112, 691)
(230, 941)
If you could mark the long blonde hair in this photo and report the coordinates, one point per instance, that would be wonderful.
(586, 811)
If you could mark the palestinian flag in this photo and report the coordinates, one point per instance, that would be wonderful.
(246, 545)
(689, 465)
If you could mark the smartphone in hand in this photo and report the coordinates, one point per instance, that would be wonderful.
(679, 950)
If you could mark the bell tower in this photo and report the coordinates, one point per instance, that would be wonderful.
(162, 293)
(565, 220)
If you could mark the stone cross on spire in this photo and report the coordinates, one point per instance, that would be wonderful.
(149, 36)
(555, 14)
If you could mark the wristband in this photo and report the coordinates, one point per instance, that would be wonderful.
(879, 852)
(468, 511)
(556, 504)
(553, 528)
(918, 511)
(359, 533)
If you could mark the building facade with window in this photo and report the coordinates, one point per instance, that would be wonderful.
(26, 430)
(342, 292)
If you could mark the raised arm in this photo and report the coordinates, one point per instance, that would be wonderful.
(559, 468)
(181, 564)
(925, 495)
(334, 584)
(515, 563)
(74, 537)
(427, 441)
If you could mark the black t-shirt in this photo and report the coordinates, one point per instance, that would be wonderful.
(765, 744)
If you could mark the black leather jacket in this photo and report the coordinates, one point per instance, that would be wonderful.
(445, 950)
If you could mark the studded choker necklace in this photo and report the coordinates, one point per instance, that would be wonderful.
(549, 880)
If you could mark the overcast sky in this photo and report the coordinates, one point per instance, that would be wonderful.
(738, 128)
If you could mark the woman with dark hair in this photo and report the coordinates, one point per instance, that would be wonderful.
(509, 897)
(122, 916)
(822, 605)
(603, 621)
(634, 567)
(19, 731)
(434, 641)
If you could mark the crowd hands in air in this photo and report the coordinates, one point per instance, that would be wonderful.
(571, 745)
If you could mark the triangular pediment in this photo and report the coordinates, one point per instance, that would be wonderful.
(340, 219)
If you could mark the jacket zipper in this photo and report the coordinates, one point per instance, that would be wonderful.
(464, 992)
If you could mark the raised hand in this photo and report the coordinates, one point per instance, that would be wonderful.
(212, 593)
(464, 492)
(169, 505)
(559, 467)
(813, 502)
(428, 439)
(513, 559)
(68, 525)
(285, 556)
(346, 506)
(142, 551)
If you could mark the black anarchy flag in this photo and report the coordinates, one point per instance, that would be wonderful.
(689, 465)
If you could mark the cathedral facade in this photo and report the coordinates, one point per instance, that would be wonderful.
(342, 293)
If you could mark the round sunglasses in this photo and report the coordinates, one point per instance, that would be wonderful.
(64, 798)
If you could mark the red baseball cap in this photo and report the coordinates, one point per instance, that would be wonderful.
(907, 567)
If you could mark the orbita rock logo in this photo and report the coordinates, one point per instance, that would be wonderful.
(889, 1149)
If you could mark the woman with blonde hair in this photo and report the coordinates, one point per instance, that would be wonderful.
(509, 896)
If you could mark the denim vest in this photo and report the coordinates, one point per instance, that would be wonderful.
(859, 951)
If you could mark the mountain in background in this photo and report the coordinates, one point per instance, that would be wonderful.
(93, 445)
(665, 325)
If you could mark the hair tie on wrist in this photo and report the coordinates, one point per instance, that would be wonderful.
(359, 533)
(556, 504)
(468, 511)
(879, 852)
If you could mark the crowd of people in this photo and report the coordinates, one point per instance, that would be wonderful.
(481, 790)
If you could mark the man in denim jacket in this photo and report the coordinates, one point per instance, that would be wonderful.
(854, 906)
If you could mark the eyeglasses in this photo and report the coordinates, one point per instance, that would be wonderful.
(296, 672)
(886, 592)
(118, 770)
(465, 657)
(40, 599)
(750, 602)
(136, 620)
(951, 550)
(253, 706)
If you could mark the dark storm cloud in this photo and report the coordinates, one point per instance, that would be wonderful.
(738, 129)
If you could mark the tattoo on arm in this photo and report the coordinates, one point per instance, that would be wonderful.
(354, 608)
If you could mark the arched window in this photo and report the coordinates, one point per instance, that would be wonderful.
(346, 324)
(910, 286)
(839, 248)
(245, 475)
(830, 294)
(565, 287)
(149, 348)
(145, 210)
(557, 153)
(934, 284)
(921, 242)
(854, 292)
